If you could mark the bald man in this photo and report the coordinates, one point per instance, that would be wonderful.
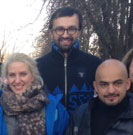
(111, 111)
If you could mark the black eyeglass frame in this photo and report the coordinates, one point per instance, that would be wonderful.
(70, 31)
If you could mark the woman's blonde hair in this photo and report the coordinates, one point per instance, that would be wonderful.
(21, 57)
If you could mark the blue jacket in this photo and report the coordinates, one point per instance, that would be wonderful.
(57, 117)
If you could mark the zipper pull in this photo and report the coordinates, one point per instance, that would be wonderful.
(65, 59)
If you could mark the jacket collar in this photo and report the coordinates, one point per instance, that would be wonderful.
(56, 47)
(129, 111)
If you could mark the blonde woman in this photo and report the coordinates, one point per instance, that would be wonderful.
(27, 109)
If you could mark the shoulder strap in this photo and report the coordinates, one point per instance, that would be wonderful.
(79, 115)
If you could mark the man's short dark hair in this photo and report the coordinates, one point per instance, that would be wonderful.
(64, 12)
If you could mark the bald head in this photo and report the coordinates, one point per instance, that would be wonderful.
(112, 82)
(110, 66)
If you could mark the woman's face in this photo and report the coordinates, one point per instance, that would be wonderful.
(131, 71)
(19, 77)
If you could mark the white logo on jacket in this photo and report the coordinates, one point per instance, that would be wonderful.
(81, 74)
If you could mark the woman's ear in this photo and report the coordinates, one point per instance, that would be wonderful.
(5, 81)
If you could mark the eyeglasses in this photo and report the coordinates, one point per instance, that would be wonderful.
(60, 30)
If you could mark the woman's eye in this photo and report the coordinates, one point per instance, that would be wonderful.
(23, 74)
(11, 75)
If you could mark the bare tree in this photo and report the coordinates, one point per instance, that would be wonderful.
(3, 46)
(111, 20)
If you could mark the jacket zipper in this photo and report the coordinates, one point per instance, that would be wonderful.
(65, 75)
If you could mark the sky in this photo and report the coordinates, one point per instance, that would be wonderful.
(17, 29)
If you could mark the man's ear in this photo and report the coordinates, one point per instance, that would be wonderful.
(95, 89)
(79, 33)
(128, 84)
(95, 86)
(51, 34)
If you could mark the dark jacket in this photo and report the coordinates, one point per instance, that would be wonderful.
(72, 75)
(81, 121)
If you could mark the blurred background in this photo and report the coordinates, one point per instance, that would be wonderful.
(107, 30)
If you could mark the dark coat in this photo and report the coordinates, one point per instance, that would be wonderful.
(123, 125)
(80, 75)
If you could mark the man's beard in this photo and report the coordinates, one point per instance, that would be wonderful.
(67, 48)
